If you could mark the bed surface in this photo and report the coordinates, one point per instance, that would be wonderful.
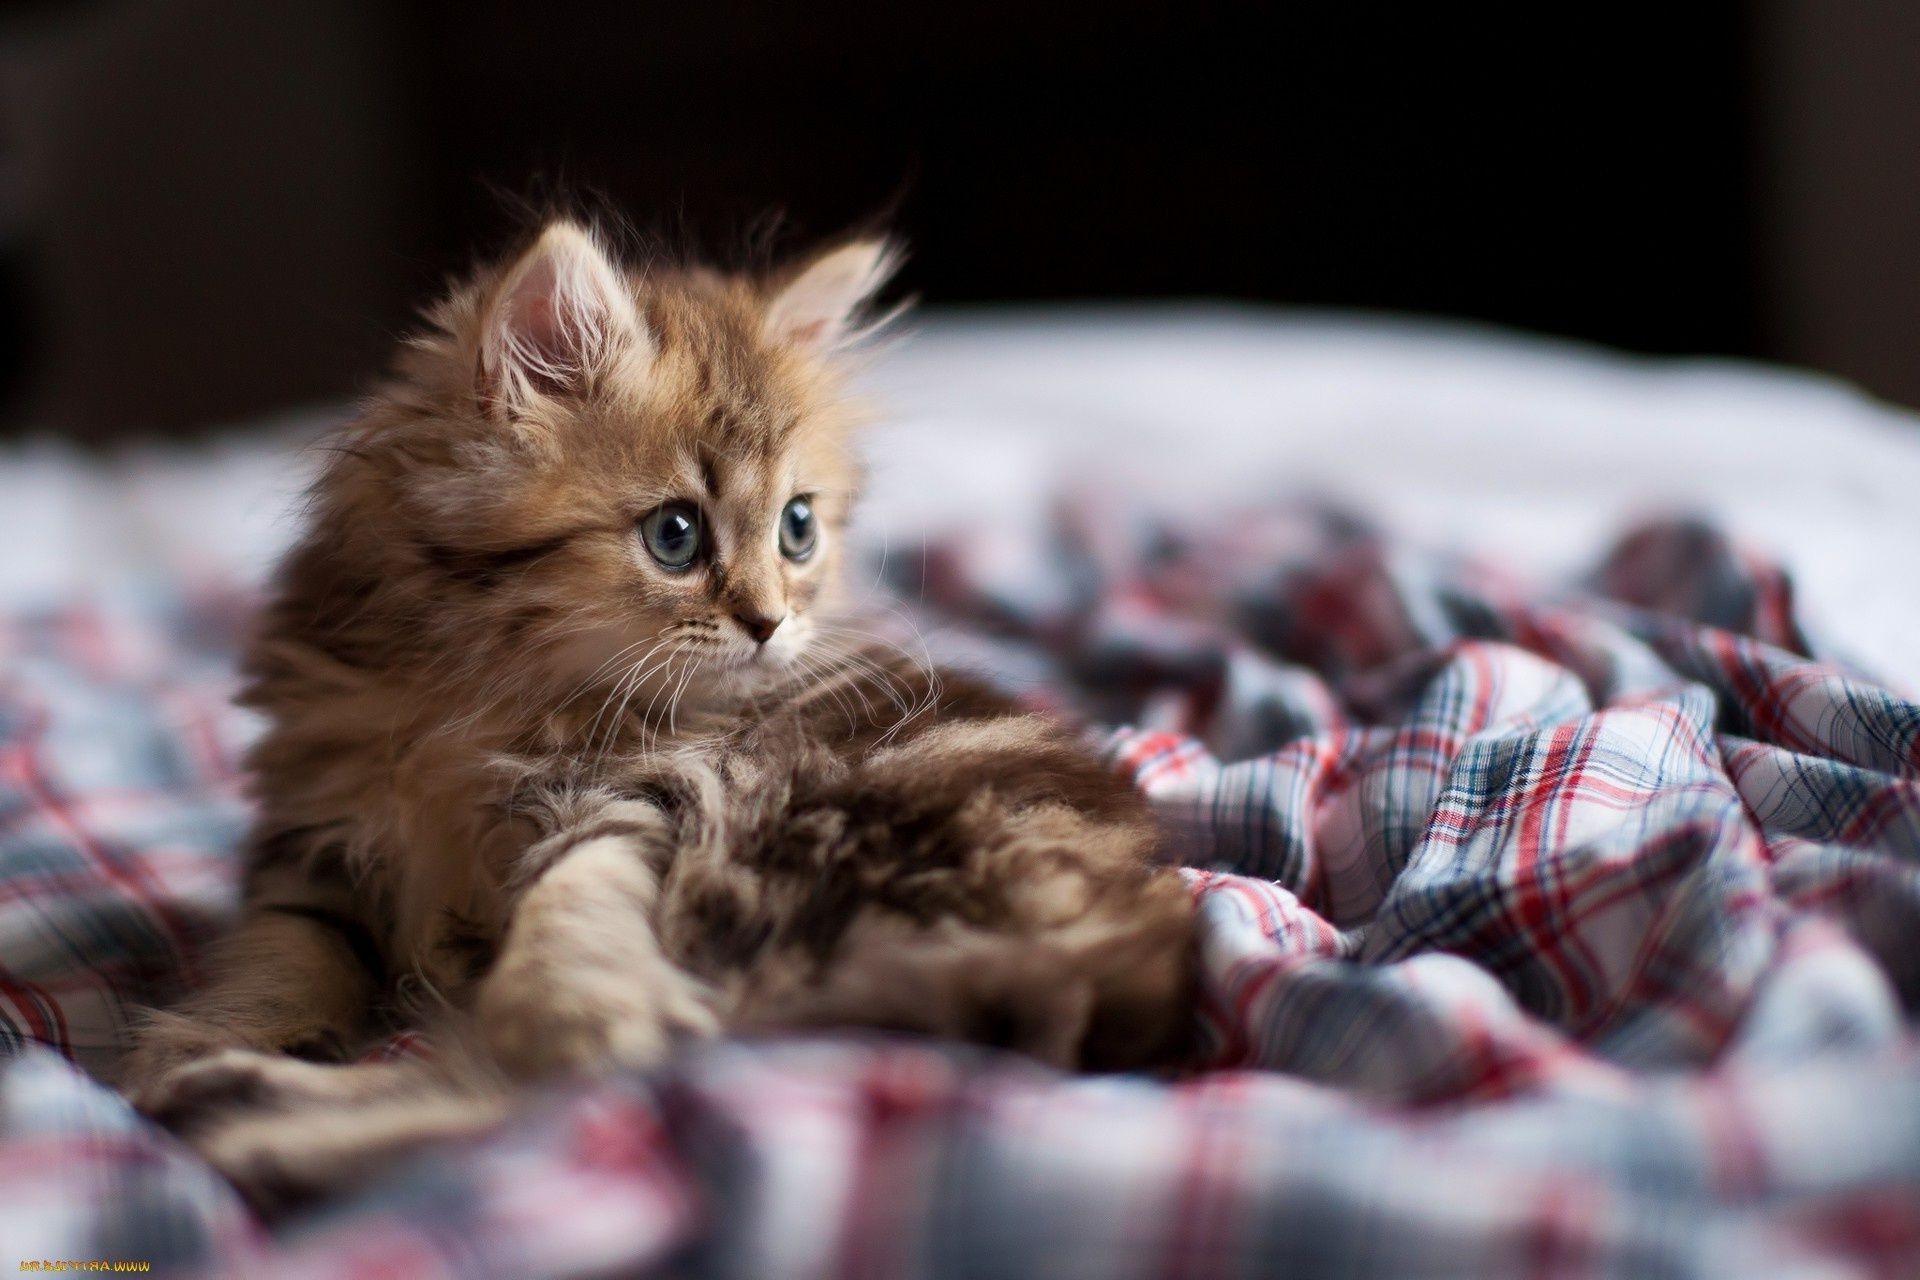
(1531, 450)
(1556, 901)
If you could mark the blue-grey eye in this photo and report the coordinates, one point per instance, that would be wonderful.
(672, 535)
(798, 530)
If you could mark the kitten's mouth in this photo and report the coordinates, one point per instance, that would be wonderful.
(765, 662)
(765, 668)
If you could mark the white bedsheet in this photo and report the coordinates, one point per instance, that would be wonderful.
(1533, 451)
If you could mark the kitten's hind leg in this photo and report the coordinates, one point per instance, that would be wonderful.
(581, 981)
(231, 1082)
(327, 1127)
(295, 977)
(279, 1162)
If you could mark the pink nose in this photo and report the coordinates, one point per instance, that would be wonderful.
(758, 625)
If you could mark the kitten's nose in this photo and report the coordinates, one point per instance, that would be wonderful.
(758, 625)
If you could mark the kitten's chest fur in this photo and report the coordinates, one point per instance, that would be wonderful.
(444, 818)
(943, 864)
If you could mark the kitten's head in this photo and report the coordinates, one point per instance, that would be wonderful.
(607, 476)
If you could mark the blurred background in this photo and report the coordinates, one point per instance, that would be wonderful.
(214, 208)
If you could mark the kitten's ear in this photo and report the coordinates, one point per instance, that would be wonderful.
(560, 315)
(821, 306)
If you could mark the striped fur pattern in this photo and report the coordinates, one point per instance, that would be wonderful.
(531, 776)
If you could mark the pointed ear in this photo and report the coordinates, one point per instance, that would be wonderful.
(820, 306)
(559, 316)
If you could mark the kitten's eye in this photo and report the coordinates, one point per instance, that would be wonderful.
(672, 535)
(798, 530)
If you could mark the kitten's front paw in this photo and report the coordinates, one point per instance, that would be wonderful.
(535, 1025)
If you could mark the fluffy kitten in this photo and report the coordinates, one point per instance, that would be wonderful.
(561, 738)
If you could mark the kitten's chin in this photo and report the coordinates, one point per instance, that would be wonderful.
(757, 674)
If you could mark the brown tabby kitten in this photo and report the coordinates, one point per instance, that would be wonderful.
(562, 740)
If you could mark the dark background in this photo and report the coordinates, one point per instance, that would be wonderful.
(211, 208)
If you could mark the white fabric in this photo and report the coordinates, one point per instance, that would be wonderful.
(1531, 451)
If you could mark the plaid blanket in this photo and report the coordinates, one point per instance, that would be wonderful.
(1543, 932)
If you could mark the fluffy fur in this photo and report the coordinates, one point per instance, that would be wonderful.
(578, 806)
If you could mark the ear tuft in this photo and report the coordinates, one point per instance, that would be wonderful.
(560, 315)
(821, 306)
